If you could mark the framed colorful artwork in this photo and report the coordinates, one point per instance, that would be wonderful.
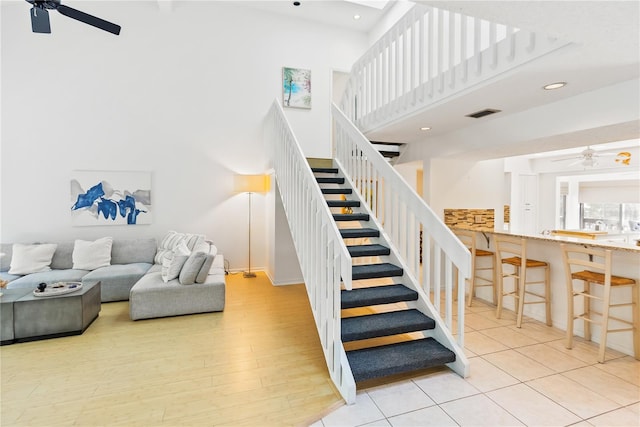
(296, 88)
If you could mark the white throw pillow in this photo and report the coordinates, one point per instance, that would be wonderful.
(173, 262)
(27, 259)
(172, 240)
(167, 245)
(89, 255)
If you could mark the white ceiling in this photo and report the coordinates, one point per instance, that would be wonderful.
(605, 51)
(338, 13)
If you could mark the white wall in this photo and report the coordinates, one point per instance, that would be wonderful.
(459, 184)
(397, 10)
(181, 93)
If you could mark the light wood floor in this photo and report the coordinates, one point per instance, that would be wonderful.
(258, 363)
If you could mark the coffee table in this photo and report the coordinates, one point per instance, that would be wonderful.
(37, 318)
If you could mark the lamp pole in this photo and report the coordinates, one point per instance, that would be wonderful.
(249, 274)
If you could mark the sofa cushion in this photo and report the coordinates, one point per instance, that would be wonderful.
(167, 245)
(117, 280)
(6, 249)
(173, 239)
(33, 280)
(204, 270)
(89, 255)
(133, 250)
(4, 275)
(151, 297)
(63, 257)
(191, 268)
(174, 261)
(27, 259)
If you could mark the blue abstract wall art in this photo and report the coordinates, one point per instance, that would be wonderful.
(110, 198)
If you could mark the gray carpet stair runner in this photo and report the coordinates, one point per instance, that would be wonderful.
(351, 217)
(376, 362)
(355, 233)
(384, 324)
(377, 295)
(368, 250)
(343, 203)
(337, 191)
(375, 271)
(389, 359)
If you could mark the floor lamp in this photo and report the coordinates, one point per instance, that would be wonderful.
(251, 184)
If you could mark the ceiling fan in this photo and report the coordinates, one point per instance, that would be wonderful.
(587, 158)
(40, 17)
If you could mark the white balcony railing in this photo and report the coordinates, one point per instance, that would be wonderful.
(428, 55)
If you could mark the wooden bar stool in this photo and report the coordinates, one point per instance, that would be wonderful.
(513, 251)
(468, 238)
(593, 266)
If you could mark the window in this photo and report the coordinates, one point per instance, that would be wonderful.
(613, 216)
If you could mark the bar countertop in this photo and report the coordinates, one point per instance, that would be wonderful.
(601, 243)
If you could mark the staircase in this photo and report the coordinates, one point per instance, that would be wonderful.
(383, 331)
(389, 150)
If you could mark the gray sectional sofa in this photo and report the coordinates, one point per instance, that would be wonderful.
(131, 276)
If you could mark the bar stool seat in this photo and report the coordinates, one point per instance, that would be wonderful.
(512, 251)
(468, 238)
(597, 262)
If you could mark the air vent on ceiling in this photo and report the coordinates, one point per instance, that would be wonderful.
(483, 113)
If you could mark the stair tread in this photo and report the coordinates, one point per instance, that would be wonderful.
(351, 217)
(376, 295)
(384, 324)
(368, 250)
(350, 233)
(336, 190)
(330, 180)
(324, 170)
(343, 203)
(371, 271)
(391, 359)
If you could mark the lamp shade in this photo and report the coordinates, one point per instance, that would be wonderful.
(251, 183)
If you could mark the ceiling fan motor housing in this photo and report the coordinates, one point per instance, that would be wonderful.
(40, 17)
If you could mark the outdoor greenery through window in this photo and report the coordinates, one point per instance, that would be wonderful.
(610, 216)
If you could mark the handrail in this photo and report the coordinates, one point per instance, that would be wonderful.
(428, 55)
(406, 220)
(324, 258)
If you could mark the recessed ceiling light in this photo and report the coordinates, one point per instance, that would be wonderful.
(296, 3)
(425, 128)
(356, 17)
(556, 85)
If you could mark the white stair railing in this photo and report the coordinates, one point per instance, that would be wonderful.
(427, 248)
(324, 258)
(428, 55)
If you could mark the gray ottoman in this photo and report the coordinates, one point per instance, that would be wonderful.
(9, 296)
(49, 317)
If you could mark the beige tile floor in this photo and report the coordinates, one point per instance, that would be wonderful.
(518, 377)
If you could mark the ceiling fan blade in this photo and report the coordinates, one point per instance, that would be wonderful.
(577, 162)
(40, 20)
(562, 159)
(89, 19)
